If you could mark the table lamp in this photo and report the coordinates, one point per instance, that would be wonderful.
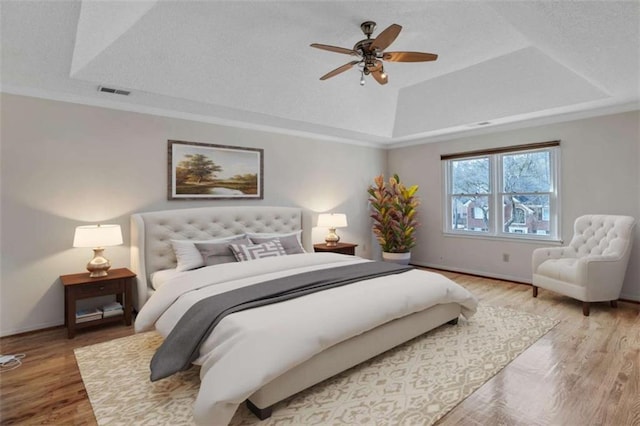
(332, 221)
(98, 237)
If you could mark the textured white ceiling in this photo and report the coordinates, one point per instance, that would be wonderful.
(249, 62)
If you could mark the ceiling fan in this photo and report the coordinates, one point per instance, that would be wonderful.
(370, 53)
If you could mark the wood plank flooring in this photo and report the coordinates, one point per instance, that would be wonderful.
(586, 371)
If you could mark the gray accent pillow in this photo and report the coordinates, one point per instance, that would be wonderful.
(218, 253)
(290, 243)
(187, 254)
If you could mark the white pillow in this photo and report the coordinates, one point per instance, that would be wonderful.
(297, 233)
(244, 252)
(188, 255)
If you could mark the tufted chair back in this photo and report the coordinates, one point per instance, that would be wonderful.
(605, 235)
(592, 267)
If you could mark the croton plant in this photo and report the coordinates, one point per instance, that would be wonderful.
(393, 210)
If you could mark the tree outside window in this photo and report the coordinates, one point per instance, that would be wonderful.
(526, 183)
(520, 185)
(471, 187)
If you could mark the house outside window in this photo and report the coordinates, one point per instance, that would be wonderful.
(507, 192)
(519, 216)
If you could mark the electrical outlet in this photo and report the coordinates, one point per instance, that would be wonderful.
(505, 257)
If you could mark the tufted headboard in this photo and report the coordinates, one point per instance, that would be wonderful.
(152, 232)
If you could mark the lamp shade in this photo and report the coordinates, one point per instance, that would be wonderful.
(97, 236)
(332, 220)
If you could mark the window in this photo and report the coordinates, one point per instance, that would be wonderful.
(506, 192)
(471, 189)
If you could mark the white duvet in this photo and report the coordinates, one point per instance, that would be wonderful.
(248, 349)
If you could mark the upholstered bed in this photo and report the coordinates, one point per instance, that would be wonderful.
(152, 252)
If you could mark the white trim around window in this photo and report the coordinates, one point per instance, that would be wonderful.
(510, 193)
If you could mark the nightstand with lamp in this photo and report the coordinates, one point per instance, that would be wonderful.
(332, 240)
(99, 281)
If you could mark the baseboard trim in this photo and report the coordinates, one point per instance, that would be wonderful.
(503, 277)
(29, 330)
(625, 298)
(518, 280)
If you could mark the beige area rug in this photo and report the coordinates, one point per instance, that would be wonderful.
(416, 383)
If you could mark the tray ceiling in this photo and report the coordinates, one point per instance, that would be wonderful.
(249, 63)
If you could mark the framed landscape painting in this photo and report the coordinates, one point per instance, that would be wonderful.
(203, 171)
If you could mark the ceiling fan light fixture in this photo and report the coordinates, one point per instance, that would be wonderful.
(370, 52)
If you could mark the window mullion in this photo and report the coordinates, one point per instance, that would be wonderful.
(448, 198)
(496, 172)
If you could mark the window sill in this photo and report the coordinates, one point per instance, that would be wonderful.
(530, 240)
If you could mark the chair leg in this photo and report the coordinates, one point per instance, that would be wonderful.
(585, 309)
(614, 303)
(535, 291)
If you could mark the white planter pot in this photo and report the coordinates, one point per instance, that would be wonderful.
(401, 258)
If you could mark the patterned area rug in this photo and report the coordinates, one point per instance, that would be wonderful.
(415, 383)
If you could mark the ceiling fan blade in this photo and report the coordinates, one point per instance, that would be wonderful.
(409, 56)
(380, 77)
(338, 70)
(334, 49)
(377, 71)
(386, 37)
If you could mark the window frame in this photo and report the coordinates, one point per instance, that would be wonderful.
(496, 194)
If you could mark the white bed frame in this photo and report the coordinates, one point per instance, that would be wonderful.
(151, 251)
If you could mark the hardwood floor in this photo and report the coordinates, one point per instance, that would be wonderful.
(585, 371)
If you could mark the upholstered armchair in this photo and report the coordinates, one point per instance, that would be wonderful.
(592, 267)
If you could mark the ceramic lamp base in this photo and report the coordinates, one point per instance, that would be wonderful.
(332, 238)
(99, 265)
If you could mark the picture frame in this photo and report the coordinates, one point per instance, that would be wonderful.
(205, 171)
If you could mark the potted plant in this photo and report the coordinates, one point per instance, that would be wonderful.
(393, 210)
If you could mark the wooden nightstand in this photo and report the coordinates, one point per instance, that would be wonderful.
(80, 286)
(343, 248)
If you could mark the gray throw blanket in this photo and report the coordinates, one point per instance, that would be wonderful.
(182, 345)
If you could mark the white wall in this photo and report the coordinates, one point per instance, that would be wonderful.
(599, 174)
(64, 165)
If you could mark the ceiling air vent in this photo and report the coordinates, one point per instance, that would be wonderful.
(114, 91)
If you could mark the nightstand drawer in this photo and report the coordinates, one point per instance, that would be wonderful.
(341, 248)
(99, 289)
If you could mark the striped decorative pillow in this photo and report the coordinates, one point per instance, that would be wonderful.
(244, 252)
(290, 242)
